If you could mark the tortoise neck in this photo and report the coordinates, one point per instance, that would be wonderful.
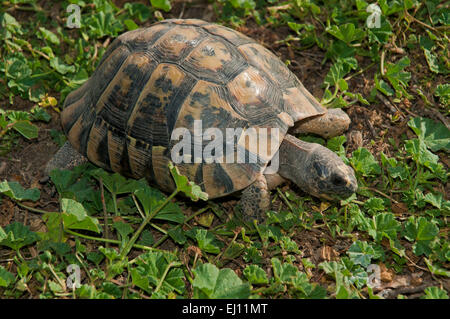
(293, 157)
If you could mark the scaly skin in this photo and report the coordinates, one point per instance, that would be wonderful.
(333, 123)
(312, 167)
(66, 158)
(315, 169)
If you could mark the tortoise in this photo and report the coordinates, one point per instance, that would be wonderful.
(177, 72)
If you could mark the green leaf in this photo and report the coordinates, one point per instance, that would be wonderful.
(384, 225)
(419, 152)
(146, 238)
(394, 168)
(18, 72)
(374, 204)
(397, 77)
(212, 283)
(161, 4)
(124, 229)
(435, 269)
(49, 36)
(9, 26)
(153, 269)
(17, 192)
(383, 87)
(443, 92)
(255, 275)
(6, 278)
(39, 114)
(177, 235)
(382, 34)
(16, 236)
(336, 144)
(151, 199)
(64, 180)
(243, 4)
(74, 216)
(206, 241)
(138, 10)
(285, 273)
(102, 24)
(364, 162)
(130, 24)
(433, 62)
(422, 232)
(346, 32)
(434, 134)
(437, 200)
(338, 70)
(188, 188)
(27, 129)
(233, 251)
(57, 64)
(389, 7)
(288, 245)
(361, 253)
(115, 183)
(435, 293)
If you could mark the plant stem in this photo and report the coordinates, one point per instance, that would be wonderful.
(133, 239)
(32, 209)
(166, 271)
(105, 214)
(114, 197)
(112, 241)
(285, 200)
(162, 239)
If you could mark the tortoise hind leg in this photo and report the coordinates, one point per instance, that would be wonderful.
(255, 200)
(333, 123)
(66, 158)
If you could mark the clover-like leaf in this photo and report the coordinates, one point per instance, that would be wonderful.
(364, 162)
(436, 136)
(158, 270)
(346, 32)
(212, 283)
(27, 129)
(255, 275)
(17, 192)
(184, 185)
(73, 216)
(6, 278)
(361, 252)
(396, 75)
(151, 199)
(383, 225)
(161, 4)
(435, 293)
(285, 273)
(16, 236)
(115, 183)
(206, 241)
(422, 232)
(419, 152)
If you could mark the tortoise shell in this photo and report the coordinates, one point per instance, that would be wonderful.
(153, 80)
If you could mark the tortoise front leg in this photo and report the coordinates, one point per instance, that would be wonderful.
(255, 200)
(66, 158)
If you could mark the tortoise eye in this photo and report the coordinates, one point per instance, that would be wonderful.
(337, 180)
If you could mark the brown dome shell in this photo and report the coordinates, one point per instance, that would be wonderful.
(153, 80)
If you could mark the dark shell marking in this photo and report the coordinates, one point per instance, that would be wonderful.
(153, 80)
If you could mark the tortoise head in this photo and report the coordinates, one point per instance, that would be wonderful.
(316, 170)
(329, 177)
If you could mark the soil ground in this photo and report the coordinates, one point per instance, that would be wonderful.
(371, 127)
